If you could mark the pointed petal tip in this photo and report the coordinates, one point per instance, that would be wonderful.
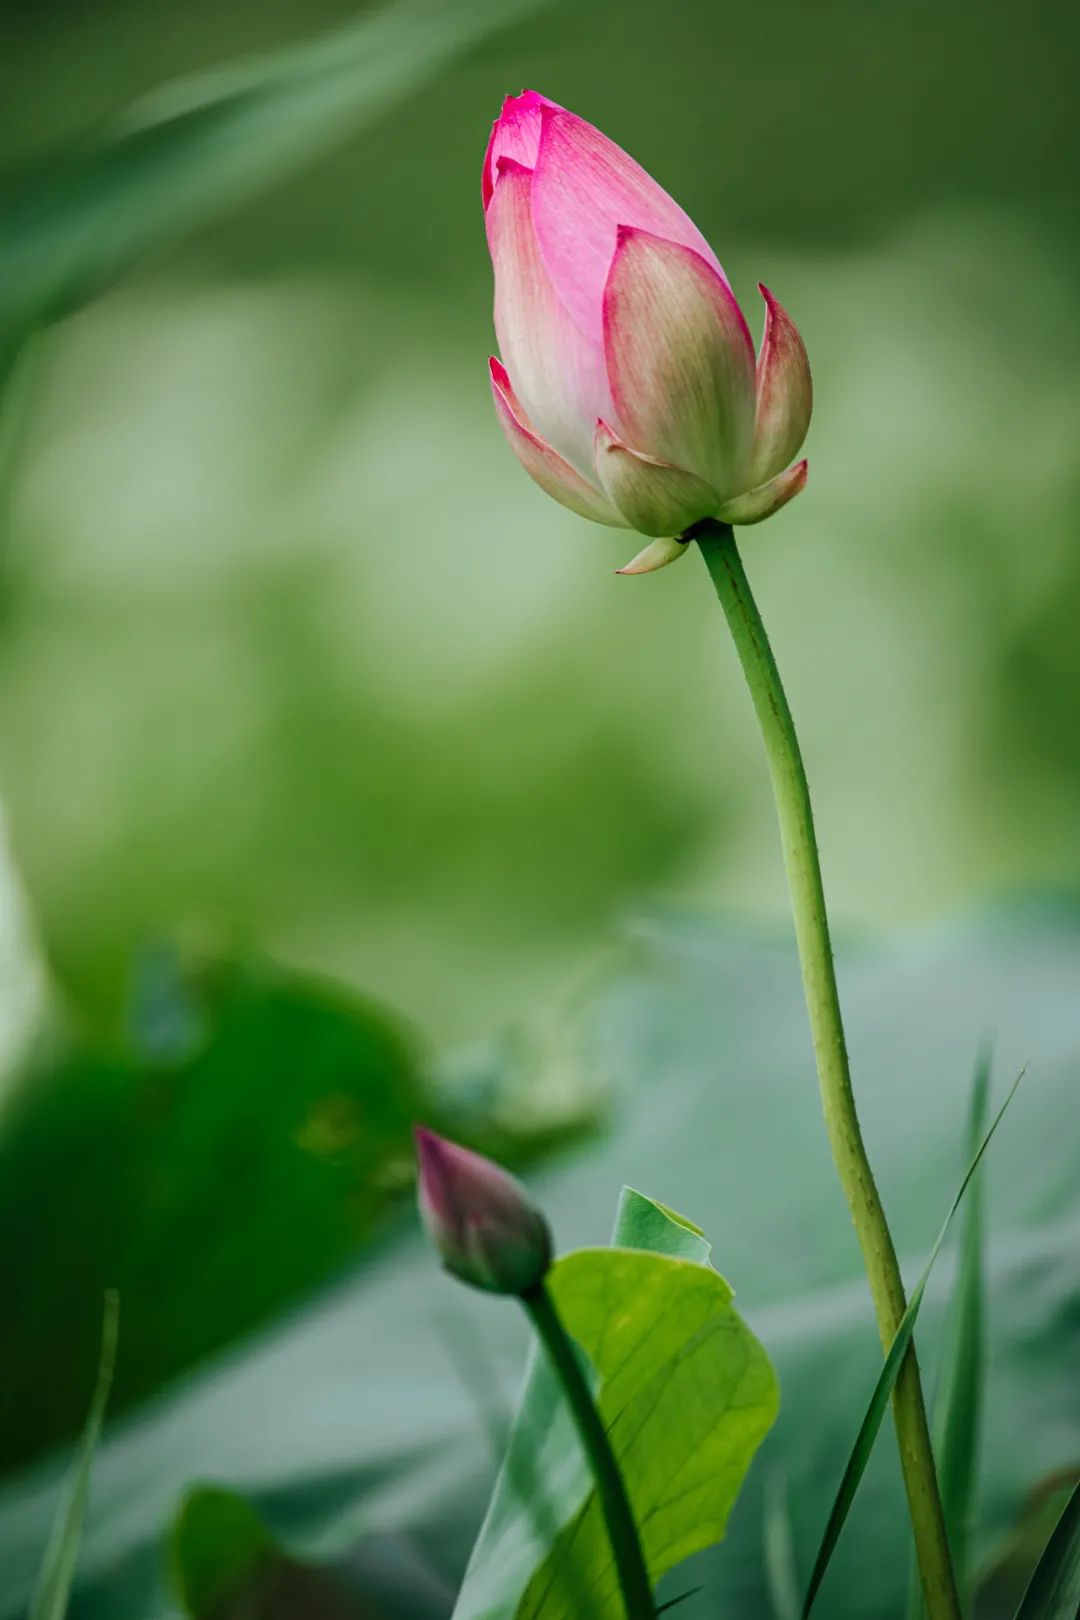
(516, 132)
(605, 437)
(784, 392)
(758, 504)
(429, 1148)
(509, 165)
(626, 234)
(656, 555)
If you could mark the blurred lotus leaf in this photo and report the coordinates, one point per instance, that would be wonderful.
(226, 1566)
(241, 1144)
(351, 1427)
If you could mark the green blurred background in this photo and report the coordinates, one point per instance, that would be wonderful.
(293, 656)
(291, 645)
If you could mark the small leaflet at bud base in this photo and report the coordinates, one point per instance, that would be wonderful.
(480, 1218)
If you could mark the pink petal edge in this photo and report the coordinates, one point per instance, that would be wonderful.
(784, 391)
(555, 476)
(586, 187)
(715, 442)
(559, 377)
(515, 133)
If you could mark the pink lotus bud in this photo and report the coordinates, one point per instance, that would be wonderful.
(628, 386)
(480, 1218)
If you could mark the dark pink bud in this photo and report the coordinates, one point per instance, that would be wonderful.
(480, 1218)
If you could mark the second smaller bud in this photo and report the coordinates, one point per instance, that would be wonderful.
(480, 1218)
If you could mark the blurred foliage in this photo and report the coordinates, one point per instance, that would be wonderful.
(289, 640)
(288, 643)
(226, 1567)
(1053, 1593)
(246, 1135)
(241, 1147)
(1005, 1582)
(218, 1544)
(208, 142)
(353, 1434)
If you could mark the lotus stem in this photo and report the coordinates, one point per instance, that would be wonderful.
(792, 795)
(610, 1488)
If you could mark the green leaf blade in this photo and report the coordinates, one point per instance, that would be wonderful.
(958, 1413)
(693, 991)
(1053, 1592)
(958, 1403)
(687, 1394)
(643, 1223)
(50, 1600)
(879, 1400)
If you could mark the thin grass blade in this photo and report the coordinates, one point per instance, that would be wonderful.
(50, 1600)
(683, 1597)
(958, 1411)
(879, 1400)
(1053, 1593)
(958, 1403)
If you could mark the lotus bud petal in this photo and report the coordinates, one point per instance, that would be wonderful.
(543, 464)
(612, 308)
(556, 373)
(653, 496)
(657, 554)
(480, 1218)
(785, 393)
(762, 502)
(680, 360)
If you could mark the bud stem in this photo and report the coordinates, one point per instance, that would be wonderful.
(792, 795)
(610, 1488)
